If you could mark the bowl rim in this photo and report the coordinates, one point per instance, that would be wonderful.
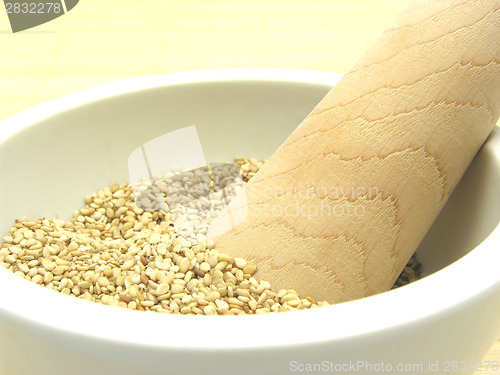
(458, 284)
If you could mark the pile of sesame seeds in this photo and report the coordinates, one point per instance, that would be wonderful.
(193, 197)
(412, 272)
(116, 253)
(249, 167)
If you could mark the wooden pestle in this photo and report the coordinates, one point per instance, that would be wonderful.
(341, 206)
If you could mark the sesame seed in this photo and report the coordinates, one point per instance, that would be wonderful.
(102, 281)
(240, 262)
(210, 310)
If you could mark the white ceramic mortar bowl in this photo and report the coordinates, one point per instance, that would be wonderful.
(55, 153)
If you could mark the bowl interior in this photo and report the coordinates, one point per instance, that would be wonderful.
(49, 166)
(471, 213)
(54, 154)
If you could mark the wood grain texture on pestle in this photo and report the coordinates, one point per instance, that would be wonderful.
(341, 206)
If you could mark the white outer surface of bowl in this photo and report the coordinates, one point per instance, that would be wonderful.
(451, 315)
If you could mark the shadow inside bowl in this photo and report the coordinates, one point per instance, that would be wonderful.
(470, 215)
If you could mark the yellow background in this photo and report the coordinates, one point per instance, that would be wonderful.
(107, 40)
